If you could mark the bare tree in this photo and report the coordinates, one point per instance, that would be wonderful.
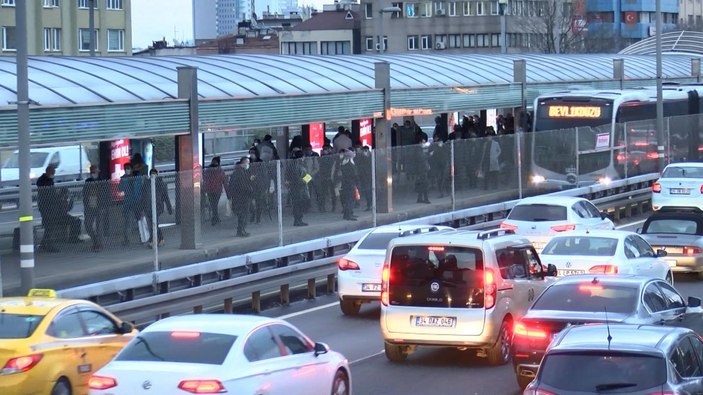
(554, 28)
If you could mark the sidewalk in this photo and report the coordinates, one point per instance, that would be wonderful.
(76, 264)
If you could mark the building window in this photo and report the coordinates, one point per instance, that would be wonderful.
(52, 39)
(369, 43)
(454, 41)
(467, 8)
(397, 14)
(299, 48)
(479, 8)
(335, 48)
(412, 43)
(495, 40)
(439, 8)
(84, 39)
(440, 41)
(426, 10)
(469, 40)
(115, 40)
(494, 8)
(51, 3)
(113, 4)
(86, 4)
(8, 2)
(9, 42)
(368, 10)
(426, 41)
(452, 8)
(482, 40)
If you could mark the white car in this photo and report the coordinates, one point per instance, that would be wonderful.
(605, 252)
(359, 271)
(223, 353)
(680, 186)
(540, 218)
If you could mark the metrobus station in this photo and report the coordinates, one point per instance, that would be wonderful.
(121, 104)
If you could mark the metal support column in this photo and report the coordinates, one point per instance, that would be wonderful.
(374, 214)
(696, 69)
(189, 161)
(91, 25)
(502, 9)
(619, 71)
(660, 102)
(520, 77)
(384, 167)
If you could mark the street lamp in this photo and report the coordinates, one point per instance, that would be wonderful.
(386, 10)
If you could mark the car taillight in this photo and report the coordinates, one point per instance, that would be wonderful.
(101, 383)
(202, 386)
(620, 157)
(691, 250)
(652, 155)
(512, 227)
(656, 187)
(701, 189)
(604, 269)
(490, 289)
(521, 329)
(21, 364)
(662, 393)
(346, 264)
(563, 228)
(385, 279)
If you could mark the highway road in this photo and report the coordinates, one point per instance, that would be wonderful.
(428, 371)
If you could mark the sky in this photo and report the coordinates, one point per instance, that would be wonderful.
(153, 20)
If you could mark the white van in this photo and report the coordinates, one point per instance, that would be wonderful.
(71, 162)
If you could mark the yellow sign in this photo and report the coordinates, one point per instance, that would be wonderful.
(574, 112)
(42, 293)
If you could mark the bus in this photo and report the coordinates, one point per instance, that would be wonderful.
(580, 135)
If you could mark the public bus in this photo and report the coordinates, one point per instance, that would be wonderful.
(590, 125)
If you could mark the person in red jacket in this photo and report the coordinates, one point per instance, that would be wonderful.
(214, 179)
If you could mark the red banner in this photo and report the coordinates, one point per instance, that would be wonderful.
(365, 132)
(119, 155)
(317, 136)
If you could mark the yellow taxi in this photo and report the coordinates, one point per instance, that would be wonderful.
(51, 346)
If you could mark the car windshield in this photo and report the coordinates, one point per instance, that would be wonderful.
(588, 297)
(683, 172)
(36, 159)
(377, 241)
(674, 226)
(537, 212)
(610, 372)
(580, 245)
(178, 346)
(18, 326)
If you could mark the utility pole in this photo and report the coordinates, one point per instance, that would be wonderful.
(502, 7)
(26, 218)
(660, 98)
(91, 25)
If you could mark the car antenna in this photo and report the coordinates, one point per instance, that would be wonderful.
(607, 325)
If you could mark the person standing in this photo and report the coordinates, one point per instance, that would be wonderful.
(162, 199)
(47, 199)
(214, 178)
(297, 179)
(490, 161)
(325, 185)
(94, 202)
(348, 184)
(421, 170)
(131, 187)
(364, 170)
(240, 191)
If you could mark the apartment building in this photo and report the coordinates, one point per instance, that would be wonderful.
(61, 27)
(691, 14)
(619, 23)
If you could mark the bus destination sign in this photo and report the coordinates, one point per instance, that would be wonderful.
(574, 112)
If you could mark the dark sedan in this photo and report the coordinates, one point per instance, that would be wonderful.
(680, 234)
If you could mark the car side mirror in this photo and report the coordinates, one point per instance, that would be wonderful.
(694, 301)
(126, 327)
(662, 253)
(321, 348)
(639, 230)
(551, 270)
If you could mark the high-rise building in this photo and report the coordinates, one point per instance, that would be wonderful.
(61, 27)
(204, 20)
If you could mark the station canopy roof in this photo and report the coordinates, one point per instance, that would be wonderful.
(681, 42)
(58, 81)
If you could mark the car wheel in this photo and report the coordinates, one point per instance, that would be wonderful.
(499, 354)
(670, 278)
(340, 385)
(523, 381)
(395, 353)
(62, 387)
(350, 307)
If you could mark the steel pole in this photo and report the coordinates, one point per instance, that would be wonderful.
(91, 25)
(373, 188)
(26, 211)
(503, 43)
(279, 197)
(660, 102)
(154, 224)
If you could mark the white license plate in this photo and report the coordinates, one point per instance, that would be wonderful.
(671, 262)
(679, 191)
(433, 321)
(370, 287)
(569, 272)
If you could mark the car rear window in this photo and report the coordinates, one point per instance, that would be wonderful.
(18, 326)
(436, 276)
(683, 172)
(186, 347)
(576, 245)
(674, 226)
(537, 213)
(610, 372)
(377, 241)
(588, 297)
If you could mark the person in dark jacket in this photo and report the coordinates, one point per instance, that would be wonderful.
(261, 184)
(214, 180)
(241, 192)
(421, 170)
(162, 199)
(47, 199)
(297, 179)
(95, 199)
(348, 178)
(131, 187)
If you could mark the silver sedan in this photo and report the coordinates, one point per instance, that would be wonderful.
(680, 234)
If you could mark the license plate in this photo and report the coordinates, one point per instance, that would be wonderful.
(370, 287)
(679, 191)
(671, 262)
(432, 321)
(569, 272)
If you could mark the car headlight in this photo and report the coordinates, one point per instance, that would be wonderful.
(537, 179)
(604, 180)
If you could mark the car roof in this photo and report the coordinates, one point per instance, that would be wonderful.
(233, 324)
(685, 164)
(610, 279)
(614, 233)
(677, 214)
(34, 305)
(405, 227)
(460, 237)
(551, 200)
(624, 337)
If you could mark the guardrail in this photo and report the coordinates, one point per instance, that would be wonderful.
(218, 283)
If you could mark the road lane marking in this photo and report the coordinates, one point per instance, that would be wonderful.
(310, 310)
(630, 224)
(367, 357)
